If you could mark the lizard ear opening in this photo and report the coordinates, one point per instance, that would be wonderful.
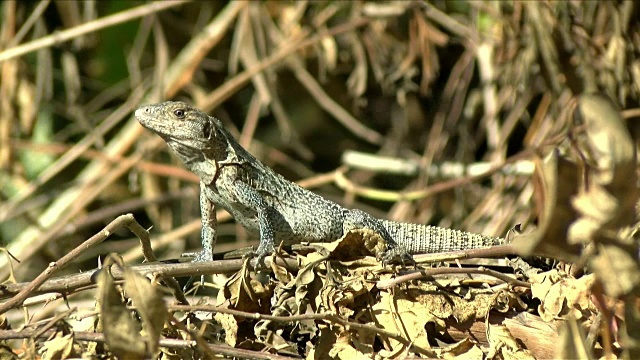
(206, 129)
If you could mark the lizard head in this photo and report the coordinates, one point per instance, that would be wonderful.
(180, 124)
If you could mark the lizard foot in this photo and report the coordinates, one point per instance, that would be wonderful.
(261, 253)
(397, 254)
(201, 256)
(260, 264)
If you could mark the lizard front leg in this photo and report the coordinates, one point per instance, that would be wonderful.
(209, 232)
(252, 199)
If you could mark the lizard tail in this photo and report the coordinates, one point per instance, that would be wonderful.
(424, 239)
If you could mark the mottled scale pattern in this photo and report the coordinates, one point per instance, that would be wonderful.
(265, 202)
(418, 239)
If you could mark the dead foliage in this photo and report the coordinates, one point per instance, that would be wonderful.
(514, 119)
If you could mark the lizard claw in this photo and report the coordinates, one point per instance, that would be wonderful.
(397, 255)
(260, 261)
(201, 256)
(262, 253)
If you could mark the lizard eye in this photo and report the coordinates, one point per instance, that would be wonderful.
(179, 113)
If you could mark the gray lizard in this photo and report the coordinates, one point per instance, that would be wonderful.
(265, 202)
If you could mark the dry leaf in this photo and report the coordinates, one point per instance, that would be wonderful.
(150, 306)
(464, 349)
(572, 342)
(561, 296)
(398, 313)
(230, 326)
(60, 347)
(504, 345)
(121, 330)
(554, 214)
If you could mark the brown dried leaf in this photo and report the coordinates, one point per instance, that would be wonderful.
(298, 296)
(617, 269)
(502, 301)
(302, 282)
(607, 203)
(555, 214)
(572, 342)
(150, 306)
(338, 344)
(359, 242)
(597, 207)
(355, 244)
(363, 340)
(476, 305)
(393, 312)
(560, 296)
(608, 200)
(241, 292)
(339, 298)
(281, 273)
(60, 347)
(464, 349)
(230, 326)
(541, 283)
(327, 337)
(608, 143)
(504, 345)
(121, 331)
(343, 348)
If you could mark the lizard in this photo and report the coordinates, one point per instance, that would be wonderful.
(263, 201)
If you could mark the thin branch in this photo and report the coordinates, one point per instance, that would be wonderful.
(429, 273)
(122, 221)
(92, 26)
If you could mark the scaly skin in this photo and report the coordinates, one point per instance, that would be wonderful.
(265, 202)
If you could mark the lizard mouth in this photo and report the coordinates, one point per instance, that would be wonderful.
(150, 122)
